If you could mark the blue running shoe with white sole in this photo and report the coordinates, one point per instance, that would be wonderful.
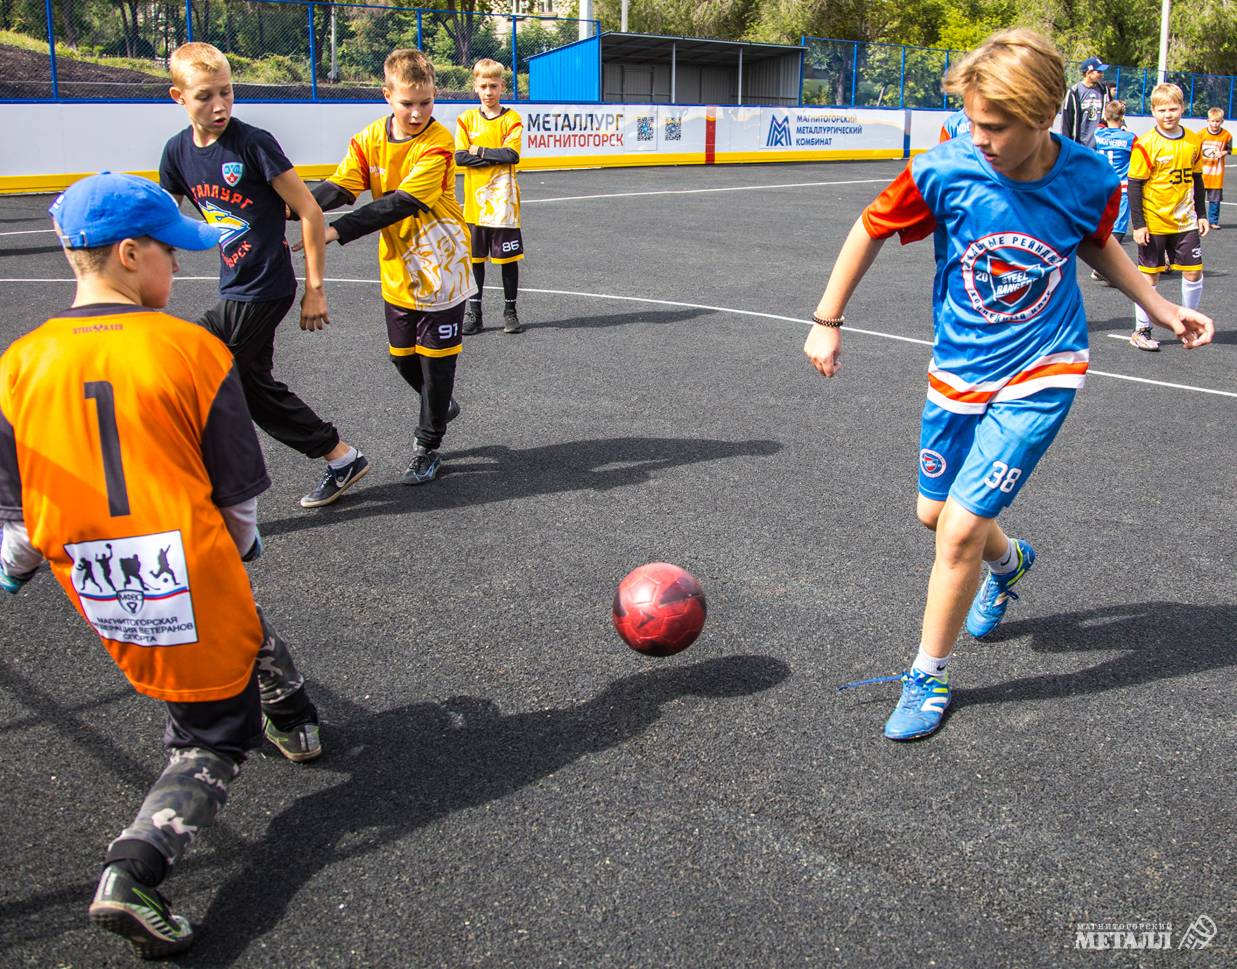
(919, 712)
(994, 594)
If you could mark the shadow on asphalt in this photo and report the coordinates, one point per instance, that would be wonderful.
(477, 476)
(1158, 640)
(408, 767)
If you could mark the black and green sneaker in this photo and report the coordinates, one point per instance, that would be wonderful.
(140, 914)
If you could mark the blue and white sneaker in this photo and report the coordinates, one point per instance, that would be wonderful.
(994, 594)
(424, 466)
(919, 712)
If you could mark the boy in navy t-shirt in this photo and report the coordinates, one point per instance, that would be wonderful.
(1010, 210)
(240, 180)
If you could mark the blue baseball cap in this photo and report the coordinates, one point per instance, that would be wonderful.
(108, 207)
(1094, 64)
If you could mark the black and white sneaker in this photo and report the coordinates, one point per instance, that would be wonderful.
(140, 914)
(511, 321)
(334, 483)
(424, 466)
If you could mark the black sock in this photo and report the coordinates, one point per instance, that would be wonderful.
(511, 281)
(140, 859)
(478, 273)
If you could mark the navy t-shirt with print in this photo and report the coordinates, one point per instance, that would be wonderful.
(230, 183)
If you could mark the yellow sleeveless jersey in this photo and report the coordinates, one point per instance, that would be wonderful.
(1167, 167)
(491, 194)
(122, 431)
(425, 261)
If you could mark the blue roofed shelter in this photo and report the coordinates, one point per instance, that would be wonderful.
(650, 69)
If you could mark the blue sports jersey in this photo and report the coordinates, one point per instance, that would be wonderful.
(230, 183)
(956, 124)
(1115, 144)
(1008, 311)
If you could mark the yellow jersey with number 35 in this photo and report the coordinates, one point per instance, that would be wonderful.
(425, 260)
(1167, 167)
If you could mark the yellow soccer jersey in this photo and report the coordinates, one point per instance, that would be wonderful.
(1167, 167)
(424, 260)
(491, 194)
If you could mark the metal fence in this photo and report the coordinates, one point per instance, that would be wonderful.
(285, 50)
(848, 73)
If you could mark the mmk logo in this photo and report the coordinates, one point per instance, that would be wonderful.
(779, 132)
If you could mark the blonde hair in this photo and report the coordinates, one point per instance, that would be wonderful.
(1018, 70)
(406, 65)
(1214, 114)
(1167, 92)
(1114, 111)
(487, 67)
(195, 56)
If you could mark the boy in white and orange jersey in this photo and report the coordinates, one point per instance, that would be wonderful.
(129, 462)
(1217, 144)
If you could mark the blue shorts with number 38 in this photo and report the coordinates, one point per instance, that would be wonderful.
(982, 460)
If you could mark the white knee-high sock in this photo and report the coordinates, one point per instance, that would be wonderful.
(1191, 293)
(1141, 320)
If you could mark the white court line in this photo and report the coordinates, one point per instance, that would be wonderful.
(712, 309)
(701, 191)
(26, 232)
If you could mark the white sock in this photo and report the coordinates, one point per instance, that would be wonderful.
(1005, 563)
(1191, 293)
(930, 665)
(1141, 320)
(346, 460)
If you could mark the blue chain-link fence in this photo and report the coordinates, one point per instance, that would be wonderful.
(847, 73)
(296, 50)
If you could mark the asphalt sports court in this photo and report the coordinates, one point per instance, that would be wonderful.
(505, 784)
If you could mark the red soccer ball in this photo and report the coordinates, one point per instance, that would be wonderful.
(659, 609)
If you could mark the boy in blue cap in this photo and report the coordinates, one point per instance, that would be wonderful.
(137, 448)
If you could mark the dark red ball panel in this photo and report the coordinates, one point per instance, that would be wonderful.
(659, 609)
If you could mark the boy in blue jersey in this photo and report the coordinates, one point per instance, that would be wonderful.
(1009, 209)
(954, 125)
(1115, 142)
(240, 180)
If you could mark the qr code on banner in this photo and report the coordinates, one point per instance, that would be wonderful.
(645, 130)
(674, 129)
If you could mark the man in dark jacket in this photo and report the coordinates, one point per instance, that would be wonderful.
(1084, 104)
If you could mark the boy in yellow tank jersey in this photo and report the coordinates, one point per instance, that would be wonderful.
(405, 161)
(130, 464)
(488, 140)
(1167, 205)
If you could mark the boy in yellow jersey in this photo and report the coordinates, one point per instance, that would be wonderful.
(1167, 205)
(405, 162)
(488, 140)
(1217, 143)
(131, 464)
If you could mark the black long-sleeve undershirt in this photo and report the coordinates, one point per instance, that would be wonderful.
(1135, 190)
(487, 156)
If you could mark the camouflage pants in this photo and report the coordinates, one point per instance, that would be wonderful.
(206, 744)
